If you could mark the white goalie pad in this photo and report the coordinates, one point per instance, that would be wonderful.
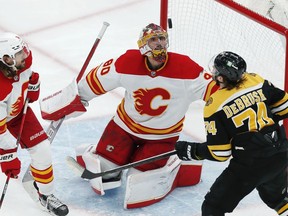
(146, 188)
(87, 158)
(92, 163)
(62, 103)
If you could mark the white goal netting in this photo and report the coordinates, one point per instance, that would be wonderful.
(203, 28)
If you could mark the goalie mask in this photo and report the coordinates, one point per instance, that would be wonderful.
(10, 45)
(228, 64)
(154, 33)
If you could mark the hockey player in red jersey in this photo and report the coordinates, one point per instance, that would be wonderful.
(159, 86)
(18, 84)
(241, 120)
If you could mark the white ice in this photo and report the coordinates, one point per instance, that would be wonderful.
(60, 34)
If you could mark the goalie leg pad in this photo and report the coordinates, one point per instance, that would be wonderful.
(149, 187)
(189, 173)
(86, 157)
(92, 163)
(111, 180)
(81, 149)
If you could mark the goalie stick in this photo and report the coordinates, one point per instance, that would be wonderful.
(86, 174)
(54, 126)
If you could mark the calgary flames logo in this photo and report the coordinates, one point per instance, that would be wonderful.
(147, 101)
(17, 106)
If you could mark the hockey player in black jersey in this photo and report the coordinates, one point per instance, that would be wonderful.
(242, 122)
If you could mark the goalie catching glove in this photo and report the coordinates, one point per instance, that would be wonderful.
(10, 164)
(65, 102)
(187, 150)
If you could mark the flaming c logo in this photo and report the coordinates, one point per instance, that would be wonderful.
(17, 106)
(144, 98)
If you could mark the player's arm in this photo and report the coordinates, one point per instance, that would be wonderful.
(201, 87)
(216, 148)
(278, 101)
(71, 100)
(9, 162)
(200, 151)
(99, 80)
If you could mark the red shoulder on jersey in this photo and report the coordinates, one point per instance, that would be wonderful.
(178, 66)
(6, 83)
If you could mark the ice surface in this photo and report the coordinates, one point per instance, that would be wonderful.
(60, 34)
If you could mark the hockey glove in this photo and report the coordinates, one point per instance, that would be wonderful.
(187, 150)
(10, 164)
(33, 87)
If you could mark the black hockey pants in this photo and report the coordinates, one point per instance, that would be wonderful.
(266, 174)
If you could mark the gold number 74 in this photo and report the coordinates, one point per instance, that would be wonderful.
(256, 120)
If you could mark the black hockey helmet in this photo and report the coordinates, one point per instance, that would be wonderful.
(230, 65)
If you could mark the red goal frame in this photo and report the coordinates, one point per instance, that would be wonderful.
(251, 15)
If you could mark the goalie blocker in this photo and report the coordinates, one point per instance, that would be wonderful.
(64, 103)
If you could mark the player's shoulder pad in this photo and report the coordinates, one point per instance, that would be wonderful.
(181, 66)
(131, 62)
(254, 77)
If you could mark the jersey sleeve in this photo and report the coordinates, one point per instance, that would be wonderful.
(99, 80)
(278, 103)
(201, 87)
(7, 141)
(217, 146)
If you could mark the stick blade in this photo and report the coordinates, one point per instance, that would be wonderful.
(74, 166)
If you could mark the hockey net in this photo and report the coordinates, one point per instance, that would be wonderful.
(255, 29)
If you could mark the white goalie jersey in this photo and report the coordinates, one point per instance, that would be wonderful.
(155, 102)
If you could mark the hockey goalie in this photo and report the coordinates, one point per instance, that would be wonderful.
(160, 86)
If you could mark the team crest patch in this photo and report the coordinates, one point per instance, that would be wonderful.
(209, 101)
(109, 148)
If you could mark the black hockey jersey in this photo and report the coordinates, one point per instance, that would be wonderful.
(254, 105)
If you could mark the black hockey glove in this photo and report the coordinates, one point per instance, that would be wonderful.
(187, 150)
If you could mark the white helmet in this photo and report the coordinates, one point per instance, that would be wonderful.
(10, 44)
(152, 30)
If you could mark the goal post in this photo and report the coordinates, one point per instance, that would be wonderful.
(202, 29)
(265, 22)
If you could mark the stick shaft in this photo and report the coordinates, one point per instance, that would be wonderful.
(92, 51)
(52, 129)
(89, 175)
(4, 191)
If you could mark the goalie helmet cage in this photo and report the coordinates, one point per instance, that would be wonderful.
(202, 29)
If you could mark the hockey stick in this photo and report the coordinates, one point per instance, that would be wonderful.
(17, 143)
(86, 174)
(55, 125)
